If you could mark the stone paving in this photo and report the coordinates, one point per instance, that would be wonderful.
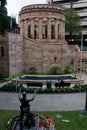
(46, 102)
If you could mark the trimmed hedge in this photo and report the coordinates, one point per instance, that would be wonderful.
(11, 87)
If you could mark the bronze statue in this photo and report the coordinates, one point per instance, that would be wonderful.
(25, 109)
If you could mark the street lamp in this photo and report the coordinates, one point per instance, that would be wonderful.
(85, 110)
(71, 4)
(81, 56)
(16, 65)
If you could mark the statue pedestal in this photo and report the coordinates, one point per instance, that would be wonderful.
(17, 125)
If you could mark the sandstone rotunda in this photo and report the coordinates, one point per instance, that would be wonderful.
(41, 43)
(43, 30)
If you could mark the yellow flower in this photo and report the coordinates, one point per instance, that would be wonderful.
(9, 122)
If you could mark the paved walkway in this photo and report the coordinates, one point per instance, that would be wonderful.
(46, 102)
(83, 76)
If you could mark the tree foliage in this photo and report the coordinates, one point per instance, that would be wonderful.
(3, 17)
(72, 23)
(3, 3)
(4, 21)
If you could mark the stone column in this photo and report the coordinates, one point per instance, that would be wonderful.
(61, 30)
(26, 28)
(43, 31)
(56, 29)
(32, 28)
(22, 28)
(49, 29)
(40, 28)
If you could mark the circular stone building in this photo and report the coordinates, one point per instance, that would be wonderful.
(43, 30)
(42, 22)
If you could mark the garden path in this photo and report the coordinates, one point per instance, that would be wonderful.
(46, 102)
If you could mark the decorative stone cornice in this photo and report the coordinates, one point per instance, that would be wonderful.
(40, 7)
(42, 18)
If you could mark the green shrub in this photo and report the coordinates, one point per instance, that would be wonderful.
(50, 90)
(83, 89)
(40, 90)
(77, 89)
(68, 69)
(32, 70)
(57, 90)
(55, 69)
(12, 77)
(68, 90)
(11, 87)
(30, 90)
(62, 90)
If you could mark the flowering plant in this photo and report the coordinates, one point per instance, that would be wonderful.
(11, 121)
(44, 122)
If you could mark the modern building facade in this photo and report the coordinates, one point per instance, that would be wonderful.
(80, 6)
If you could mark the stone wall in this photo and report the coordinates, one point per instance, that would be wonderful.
(11, 62)
(15, 42)
(4, 58)
(44, 54)
(21, 54)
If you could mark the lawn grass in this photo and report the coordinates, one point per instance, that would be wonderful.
(77, 120)
(55, 75)
(38, 75)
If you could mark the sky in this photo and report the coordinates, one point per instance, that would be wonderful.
(14, 6)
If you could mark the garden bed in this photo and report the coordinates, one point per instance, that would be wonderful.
(11, 87)
(41, 122)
